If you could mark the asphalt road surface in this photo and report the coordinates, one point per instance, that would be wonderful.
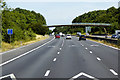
(61, 58)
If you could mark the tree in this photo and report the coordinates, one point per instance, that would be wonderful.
(111, 16)
(24, 24)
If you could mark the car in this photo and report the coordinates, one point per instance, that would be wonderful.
(82, 37)
(68, 36)
(63, 35)
(57, 36)
(118, 37)
(114, 36)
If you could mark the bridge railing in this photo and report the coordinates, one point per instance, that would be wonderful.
(92, 24)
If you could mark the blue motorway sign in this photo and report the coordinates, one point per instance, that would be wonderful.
(9, 31)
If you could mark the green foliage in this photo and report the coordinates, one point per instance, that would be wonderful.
(25, 24)
(49, 32)
(39, 29)
(61, 29)
(111, 15)
(69, 30)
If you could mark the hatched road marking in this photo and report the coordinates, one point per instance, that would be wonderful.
(84, 74)
(12, 76)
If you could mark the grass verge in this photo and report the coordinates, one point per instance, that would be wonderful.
(16, 44)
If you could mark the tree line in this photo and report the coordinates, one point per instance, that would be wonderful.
(25, 24)
(111, 16)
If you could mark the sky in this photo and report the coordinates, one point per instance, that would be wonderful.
(62, 11)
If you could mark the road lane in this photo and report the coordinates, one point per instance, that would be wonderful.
(75, 59)
(63, 58)
(107, 54)
(18, 51)
(34, 64)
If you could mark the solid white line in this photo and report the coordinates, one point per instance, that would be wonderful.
(47, 73)
(113, 72)
(25, 53)
(98, 59)
(58, 53)
(54, 59)
(90, 51)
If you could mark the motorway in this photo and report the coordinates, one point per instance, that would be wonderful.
(61, 58)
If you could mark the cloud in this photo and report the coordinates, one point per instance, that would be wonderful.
(62, 0)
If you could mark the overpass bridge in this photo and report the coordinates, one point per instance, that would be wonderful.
(81, 25)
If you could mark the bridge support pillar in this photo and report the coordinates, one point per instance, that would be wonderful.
(87, 28)
(105, 32)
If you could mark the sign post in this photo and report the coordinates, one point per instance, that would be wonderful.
(10, 32)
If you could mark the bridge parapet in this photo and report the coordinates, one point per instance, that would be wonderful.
(92, 24)
(82, 24)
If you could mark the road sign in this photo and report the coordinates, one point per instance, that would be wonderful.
(88, 29)
(9, 31)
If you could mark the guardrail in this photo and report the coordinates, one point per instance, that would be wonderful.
(104, 39)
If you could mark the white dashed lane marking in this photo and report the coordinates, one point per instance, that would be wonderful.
(54, 59)
(58, 53)
(86, 48)
(90, 51)
(47, 73)
(82, 45)
(60, 48)
(94, 45)
(98, 59)
(83, 74)
(113, 72)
